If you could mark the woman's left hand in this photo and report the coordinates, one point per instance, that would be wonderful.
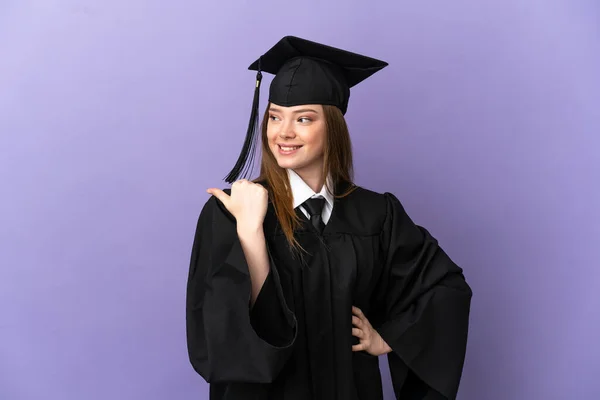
(370, 340)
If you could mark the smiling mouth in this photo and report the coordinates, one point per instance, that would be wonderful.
(288, 148)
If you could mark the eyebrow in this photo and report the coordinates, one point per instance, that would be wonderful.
(275, 109)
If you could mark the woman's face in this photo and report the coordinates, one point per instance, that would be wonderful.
(296, 137)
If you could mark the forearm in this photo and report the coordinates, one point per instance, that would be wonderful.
(255, 250)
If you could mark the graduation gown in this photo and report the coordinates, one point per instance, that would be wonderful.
(295, 343)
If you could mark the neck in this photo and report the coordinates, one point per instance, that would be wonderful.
(313, 178)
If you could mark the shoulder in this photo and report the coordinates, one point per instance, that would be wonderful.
(377, 201)
(365, 194)
(370, 209)
(214, 208)
(382, 205)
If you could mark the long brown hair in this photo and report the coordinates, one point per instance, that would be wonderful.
(337, 164)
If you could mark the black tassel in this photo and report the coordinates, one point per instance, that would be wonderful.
(244, 165)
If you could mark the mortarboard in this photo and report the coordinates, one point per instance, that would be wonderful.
(305, 72)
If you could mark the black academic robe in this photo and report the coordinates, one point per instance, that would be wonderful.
(295, 343)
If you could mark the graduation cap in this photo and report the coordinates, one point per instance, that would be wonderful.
(305, 72)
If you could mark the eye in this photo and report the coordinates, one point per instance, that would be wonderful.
(304, 119)
(273, 118)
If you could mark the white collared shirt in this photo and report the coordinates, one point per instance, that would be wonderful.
(302, 192)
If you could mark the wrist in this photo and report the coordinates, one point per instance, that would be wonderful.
(249, 229)
(384, 348)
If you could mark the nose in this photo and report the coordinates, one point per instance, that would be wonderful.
(287, 130)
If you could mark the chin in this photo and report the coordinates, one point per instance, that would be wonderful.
(288, 165)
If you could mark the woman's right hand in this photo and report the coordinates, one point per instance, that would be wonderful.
(247, 203)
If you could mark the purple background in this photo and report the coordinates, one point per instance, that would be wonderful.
(116, 115)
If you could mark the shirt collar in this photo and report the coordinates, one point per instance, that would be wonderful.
(302, 192)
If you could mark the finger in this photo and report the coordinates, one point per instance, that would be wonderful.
(359, 347)
(363, 318)
(219, 194)
(357, 311)
(359, 333)
(357, 322)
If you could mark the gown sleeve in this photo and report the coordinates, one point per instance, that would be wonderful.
(426, 304)
(227, 340)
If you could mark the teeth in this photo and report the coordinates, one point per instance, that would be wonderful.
(289, 148)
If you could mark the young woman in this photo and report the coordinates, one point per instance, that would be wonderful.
(300, 279)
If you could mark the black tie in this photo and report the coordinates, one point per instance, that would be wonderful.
(314, 207)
